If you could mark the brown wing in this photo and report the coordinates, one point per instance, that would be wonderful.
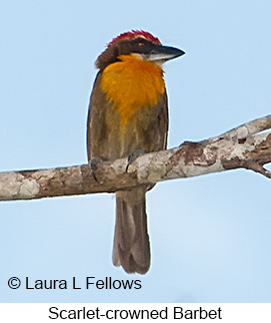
(92, 110)
(100, 132)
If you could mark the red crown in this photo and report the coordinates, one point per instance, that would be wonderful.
(133, 34)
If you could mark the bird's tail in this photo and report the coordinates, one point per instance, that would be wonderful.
(131, 243)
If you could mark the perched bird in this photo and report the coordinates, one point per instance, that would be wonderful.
(128, 113)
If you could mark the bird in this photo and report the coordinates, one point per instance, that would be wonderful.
(127, 116)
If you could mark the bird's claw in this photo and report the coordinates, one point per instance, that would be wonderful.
(93, 164)
(132, 157)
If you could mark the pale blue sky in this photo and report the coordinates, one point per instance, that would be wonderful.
(210, 235)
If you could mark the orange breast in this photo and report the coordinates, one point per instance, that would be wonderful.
(131, 84)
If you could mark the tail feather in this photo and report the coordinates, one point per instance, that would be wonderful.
(131, 244)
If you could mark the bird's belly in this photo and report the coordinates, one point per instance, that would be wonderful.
(141, 133)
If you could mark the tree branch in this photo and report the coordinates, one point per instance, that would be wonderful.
(241, 147)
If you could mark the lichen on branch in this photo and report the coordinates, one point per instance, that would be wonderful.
(242, 147)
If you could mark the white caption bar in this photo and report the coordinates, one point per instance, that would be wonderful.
(124, 312)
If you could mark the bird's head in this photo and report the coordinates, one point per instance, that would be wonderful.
(138, 43)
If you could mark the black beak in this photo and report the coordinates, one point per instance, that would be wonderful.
(164, 53)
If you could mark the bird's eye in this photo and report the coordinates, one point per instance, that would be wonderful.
(141, 44)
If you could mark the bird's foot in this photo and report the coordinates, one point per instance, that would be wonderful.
(133, 156)
(93, 164)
